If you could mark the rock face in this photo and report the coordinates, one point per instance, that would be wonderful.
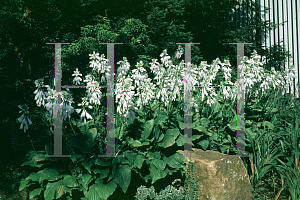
(220, 176)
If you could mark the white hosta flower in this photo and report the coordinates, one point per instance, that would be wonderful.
(24, 119)
(77, 79)
(94, 55)
(179, 52)
(84, 113)
(89, 78)
(67, 109)
(40, 95)
(165, 58)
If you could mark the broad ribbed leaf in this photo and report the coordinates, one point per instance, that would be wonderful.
(35, 192)
(104, 173)
(92, 194)
(139, 161)
(169, 138)
(131, 156)
(54, 190)
(153, 155)
(203, 130)
(86, 178)
(147, 126)
(36, 158)
(92, 134)
(33, 177)
(180, 140)
(135, 143)
(122, 176)
(204, 144)
(160, 164)
(175, 162)
(70, 181)
(23, 184)
(105, 190)
(162, 118)
(155, 173)
(204, 121)
(88, 164)
(101, 162)
(45, 174)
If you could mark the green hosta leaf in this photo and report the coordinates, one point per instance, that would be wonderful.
(35, 192)
(203, 130)
(103, 173)
(24, 184)
(33, 177)
(77, 157)
(55, 190)
(139, 161)
(175, 162)
(181, 125)
(36, 157)
(121, 160)
(122, 176)
(233, 124)
(92, 134)
(160, 164)
(135, 143)
(196, 123)
(157, 133)
(160, 137)
(217, 108)
(169, 138)
(105, 190)
(131, 156)
(180, 140)
(145, 143)
(86, 178)
(154, 173)
(214, 137)
(204, 121)
(196, 137)
(224, 148)
(155, 155)
(90, 123)
(204, 144)
(102, 163)
(45, 174)
(92, 194)
(49, 174)
(162, 118)
(147, 126)
(88, 164)
(82, 127)
(70, 181)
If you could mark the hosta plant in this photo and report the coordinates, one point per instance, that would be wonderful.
(147, 137)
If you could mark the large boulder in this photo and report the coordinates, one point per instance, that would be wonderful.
(220, 176)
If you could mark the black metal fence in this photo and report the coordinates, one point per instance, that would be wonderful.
(284, 13)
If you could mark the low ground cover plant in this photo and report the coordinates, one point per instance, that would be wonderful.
(150, 149)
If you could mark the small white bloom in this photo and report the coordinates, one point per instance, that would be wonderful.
(24, 119)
